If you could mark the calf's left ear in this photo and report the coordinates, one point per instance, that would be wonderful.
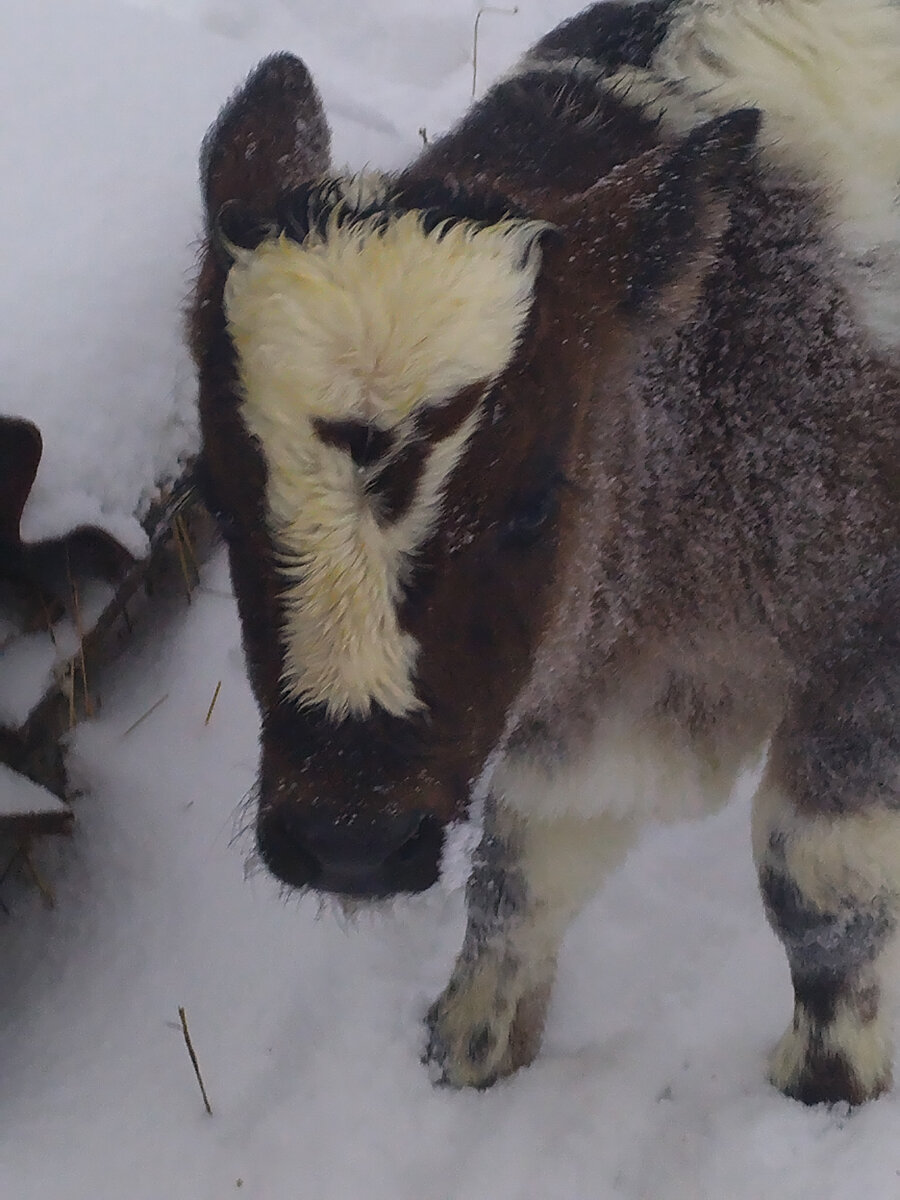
(271, 136)
(649, 229)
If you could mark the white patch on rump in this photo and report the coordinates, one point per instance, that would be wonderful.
(371, 324)
(826, 74)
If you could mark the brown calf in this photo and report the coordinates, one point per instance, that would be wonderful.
(560, 470)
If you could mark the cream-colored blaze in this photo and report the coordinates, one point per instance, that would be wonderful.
(372, 325)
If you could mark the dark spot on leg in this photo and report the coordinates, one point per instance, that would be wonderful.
(828, 1079)
(866, 1003)
(819, 996)
(435, 1050)
(823, 944)
(828, 1075)
(481, 1043)
(785, 905)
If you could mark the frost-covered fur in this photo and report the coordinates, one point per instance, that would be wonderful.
(529, 879)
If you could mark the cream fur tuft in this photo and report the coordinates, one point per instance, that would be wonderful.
(832, 861)
(630, 769)
(372, 324)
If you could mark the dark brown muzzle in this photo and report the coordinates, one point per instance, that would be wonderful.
(353, 854)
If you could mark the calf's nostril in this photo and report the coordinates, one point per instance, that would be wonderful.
(413, 841)
(305, 864)
(286, 851)
(415, 863)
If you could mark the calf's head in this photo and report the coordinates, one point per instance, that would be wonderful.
(400, 382)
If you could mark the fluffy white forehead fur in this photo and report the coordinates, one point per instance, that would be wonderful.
(370, 324)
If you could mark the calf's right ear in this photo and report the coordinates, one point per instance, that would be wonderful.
(271, 136)
(647, 231)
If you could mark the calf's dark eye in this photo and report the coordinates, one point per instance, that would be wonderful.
(531, 517)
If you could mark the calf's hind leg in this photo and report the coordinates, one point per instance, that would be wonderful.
(827, 847)
(529, 879)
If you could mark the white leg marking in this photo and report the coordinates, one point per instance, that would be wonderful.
(832, 885)
(830, 859)
(530, 880)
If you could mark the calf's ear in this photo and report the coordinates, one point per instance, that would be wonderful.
(647, 231)
(271, 136)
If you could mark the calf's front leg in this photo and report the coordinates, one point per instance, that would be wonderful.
(530, 878)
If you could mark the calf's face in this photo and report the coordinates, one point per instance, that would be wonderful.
(394, 418)
(392, 475)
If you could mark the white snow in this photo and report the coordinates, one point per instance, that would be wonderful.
(30, 661)
(103, 111)
(308, 1029)
(19, 797)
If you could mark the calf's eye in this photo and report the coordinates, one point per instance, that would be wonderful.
(532, 515)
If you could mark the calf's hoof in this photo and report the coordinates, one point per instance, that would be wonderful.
(845, 1061)
(478, 1034)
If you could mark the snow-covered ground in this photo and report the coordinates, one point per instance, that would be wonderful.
(308, 1030)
